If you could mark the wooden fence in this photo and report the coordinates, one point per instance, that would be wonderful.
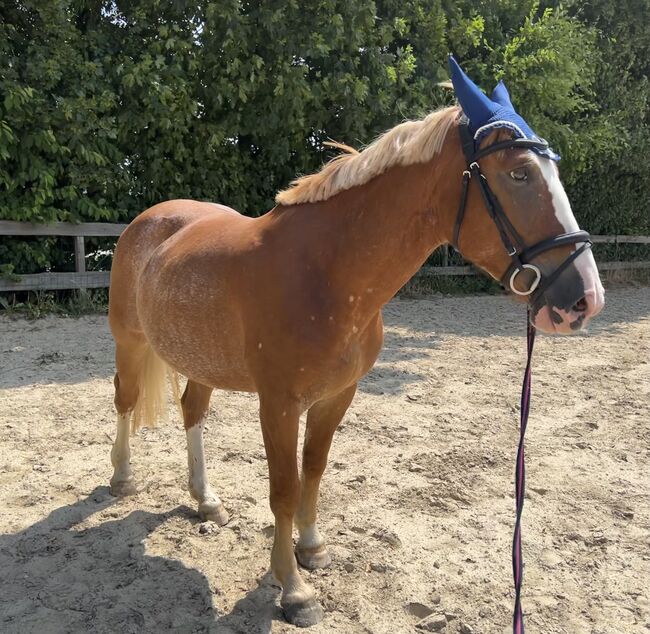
(82, 279)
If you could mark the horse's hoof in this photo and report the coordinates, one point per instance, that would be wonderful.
(122, 488)
(313, 558)
(303, 614)
(215, 512)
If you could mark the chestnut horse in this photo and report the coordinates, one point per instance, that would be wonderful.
(288, 305)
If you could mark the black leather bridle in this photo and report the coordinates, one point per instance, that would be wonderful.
(520, 254)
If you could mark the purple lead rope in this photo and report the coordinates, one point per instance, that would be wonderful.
(520, 482)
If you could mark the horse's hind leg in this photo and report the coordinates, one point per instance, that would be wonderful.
(195, 403)
(129, 360)
(322, 420)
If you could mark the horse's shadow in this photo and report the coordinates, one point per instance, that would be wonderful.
(59, 578)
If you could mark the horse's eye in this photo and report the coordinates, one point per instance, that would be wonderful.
(519, 174)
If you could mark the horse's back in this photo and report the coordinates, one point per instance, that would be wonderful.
(137, 243)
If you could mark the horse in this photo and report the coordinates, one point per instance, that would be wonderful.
(288, 305)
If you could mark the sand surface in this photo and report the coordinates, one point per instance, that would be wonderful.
(417, 502)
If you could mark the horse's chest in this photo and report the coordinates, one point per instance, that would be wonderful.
(346, 359)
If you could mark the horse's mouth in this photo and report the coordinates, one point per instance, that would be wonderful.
(558, 321)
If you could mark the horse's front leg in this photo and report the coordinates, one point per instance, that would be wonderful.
(279, 417)
(322, 420)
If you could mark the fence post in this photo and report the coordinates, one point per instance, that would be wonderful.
(79, 254)
(80, 259)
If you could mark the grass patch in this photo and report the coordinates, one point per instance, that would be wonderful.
(421, 286)
(36, 304)
(625, 278)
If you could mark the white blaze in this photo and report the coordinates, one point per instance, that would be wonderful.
(559, 198)
(585, 263)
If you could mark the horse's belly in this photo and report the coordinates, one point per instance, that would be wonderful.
(196, 330)
(211, 358)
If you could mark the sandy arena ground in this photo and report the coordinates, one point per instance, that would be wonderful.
(417, 502)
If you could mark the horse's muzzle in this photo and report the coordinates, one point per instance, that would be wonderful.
(555, 320)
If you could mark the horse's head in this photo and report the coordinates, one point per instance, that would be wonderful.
(515, 220)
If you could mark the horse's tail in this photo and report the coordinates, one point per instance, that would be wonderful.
(151, 406)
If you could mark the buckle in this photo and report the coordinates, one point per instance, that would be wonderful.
(533, 286)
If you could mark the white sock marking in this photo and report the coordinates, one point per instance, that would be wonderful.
(121, 452)
(310, 537)
(198, 476)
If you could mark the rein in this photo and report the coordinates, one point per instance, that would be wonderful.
(521, 256)
(520, 481)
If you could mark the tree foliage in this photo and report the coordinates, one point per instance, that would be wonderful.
(613, 190)
(109, 107)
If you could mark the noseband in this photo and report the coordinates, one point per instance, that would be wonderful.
(520, 254)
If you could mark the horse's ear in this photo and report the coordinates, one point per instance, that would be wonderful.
(476, 105)
(501, 95)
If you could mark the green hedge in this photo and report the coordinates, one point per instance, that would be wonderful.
(109, 107)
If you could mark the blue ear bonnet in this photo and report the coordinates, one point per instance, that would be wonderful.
(485, 113)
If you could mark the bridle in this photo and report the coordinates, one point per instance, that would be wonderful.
(520, 254)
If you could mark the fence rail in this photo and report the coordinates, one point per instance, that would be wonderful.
(84, 229)
(82, 279)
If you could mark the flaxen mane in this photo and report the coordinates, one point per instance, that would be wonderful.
(405, 144)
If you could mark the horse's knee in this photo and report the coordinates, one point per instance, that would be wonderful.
(313, 464)
(285, 501)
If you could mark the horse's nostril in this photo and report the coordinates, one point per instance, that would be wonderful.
(580, 306)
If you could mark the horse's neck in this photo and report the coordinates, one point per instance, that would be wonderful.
(383, 232)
